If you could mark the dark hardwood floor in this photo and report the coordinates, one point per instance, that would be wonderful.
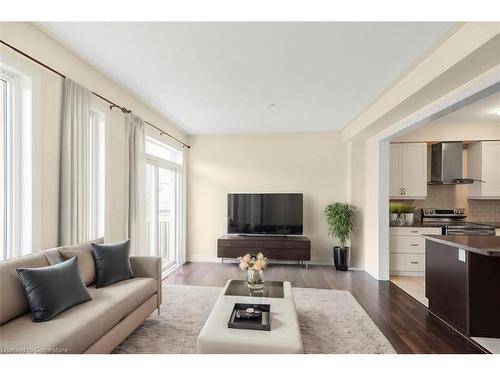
(406, 323)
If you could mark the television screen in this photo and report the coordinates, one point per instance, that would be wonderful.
(264, 213)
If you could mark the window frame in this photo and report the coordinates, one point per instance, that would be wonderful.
(20, 159)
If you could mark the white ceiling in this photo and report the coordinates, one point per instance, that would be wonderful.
(212, 78)
(481, 111)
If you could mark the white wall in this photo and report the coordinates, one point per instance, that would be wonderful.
(29, 39)
(311, 163)
(451, 132)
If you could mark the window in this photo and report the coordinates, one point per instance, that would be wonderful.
(3, 159)
(16, 170)
(96, 176)
(164, 202)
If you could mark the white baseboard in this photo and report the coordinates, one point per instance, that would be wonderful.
(171, 270)
(203, 258)
(315, 261)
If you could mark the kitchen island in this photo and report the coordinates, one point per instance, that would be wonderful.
(462, 280)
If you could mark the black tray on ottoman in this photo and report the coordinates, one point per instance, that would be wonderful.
(259, 323)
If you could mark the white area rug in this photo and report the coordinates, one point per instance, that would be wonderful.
(331, 321)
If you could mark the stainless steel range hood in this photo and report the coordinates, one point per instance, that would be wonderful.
(446, 164)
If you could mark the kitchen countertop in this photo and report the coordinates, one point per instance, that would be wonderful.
(484, 245)
(417, 224)
(495, 224)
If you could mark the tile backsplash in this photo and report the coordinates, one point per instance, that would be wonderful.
(484, 210)
(455, 196)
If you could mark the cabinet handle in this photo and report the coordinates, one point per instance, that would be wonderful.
(414, 231)
(414, 262)
(414, 244)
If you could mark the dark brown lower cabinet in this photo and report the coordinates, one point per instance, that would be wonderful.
(463, 290)
(277, 248)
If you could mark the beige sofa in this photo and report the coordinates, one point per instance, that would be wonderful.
(96, 326)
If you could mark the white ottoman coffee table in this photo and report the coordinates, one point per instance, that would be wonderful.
(284, 336)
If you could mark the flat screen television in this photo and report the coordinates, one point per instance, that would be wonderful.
(277, 214)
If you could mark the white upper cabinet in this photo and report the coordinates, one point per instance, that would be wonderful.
(415, 170)
(408, 171)
(396, 172)
(483, 163)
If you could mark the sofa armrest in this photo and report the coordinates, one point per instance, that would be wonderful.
(148, 266)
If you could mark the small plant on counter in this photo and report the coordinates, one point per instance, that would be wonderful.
(395, 208)
(401, 213)
(406, 209)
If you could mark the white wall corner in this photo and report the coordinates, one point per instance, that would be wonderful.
(376, 220)
(348, 172)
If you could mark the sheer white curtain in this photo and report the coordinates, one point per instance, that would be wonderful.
(74, 194)
(136, 211)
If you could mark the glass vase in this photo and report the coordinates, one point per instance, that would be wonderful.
(255, 279)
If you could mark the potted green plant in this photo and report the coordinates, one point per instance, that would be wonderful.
(401, 213)
(394, 211)
(408, 214)
(339, 217)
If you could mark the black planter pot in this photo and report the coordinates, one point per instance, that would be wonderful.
(341, 258)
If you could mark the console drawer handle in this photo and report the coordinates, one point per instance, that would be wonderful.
(414, 262)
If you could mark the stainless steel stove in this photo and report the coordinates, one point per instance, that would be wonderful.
(453, 222)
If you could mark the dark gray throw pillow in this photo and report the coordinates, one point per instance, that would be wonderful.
(53, 289)
(112, 263)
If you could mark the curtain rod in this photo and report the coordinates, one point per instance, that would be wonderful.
(111, 104)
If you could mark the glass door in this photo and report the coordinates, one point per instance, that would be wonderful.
(163, 210)
(151, 208)
(168, 217)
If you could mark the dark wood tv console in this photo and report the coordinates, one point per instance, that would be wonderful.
(273, 247)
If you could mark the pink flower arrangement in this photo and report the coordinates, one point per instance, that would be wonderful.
(257, 262)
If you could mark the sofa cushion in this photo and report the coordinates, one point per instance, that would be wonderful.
(53, 255)
(85, 260)
(53, 289)
(112, 263)
(76, 329)
(13, 300)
